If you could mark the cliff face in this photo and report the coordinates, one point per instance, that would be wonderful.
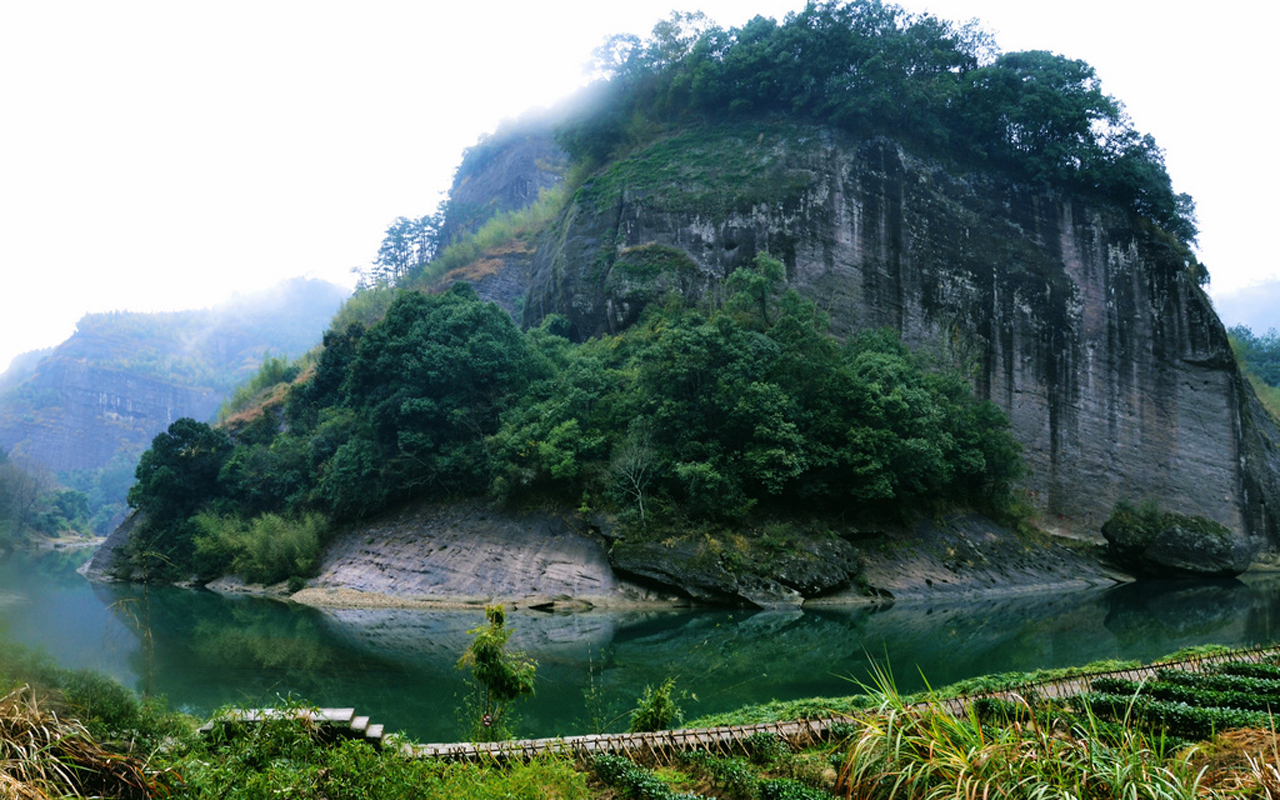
(84, 414)
(506, 172)
(1081, 323)
(124, 377)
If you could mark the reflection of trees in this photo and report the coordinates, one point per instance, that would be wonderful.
(399, 664)
(256, 636)
(1177, 612)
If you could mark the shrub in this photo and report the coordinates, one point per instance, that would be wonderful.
(267, 549)
(656, 710)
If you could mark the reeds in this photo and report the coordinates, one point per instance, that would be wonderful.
(928, 752)
(43, 756)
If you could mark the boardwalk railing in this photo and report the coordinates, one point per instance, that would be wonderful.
(662, 746)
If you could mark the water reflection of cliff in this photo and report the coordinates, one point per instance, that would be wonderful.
(400, 665)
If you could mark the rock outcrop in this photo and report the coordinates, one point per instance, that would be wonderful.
(469, 552)
(1160, 545)
(1081, 322)
(504, 172)
(812, 568)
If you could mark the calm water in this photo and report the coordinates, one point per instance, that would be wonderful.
(203, 651)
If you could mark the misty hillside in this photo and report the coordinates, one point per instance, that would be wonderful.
(98, 398)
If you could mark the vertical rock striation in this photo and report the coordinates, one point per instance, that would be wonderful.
(1081, 322)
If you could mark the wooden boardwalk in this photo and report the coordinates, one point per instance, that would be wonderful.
(661, 746)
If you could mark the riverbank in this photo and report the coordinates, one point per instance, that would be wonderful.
(467, 555)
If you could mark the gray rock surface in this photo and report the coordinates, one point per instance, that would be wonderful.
(1178, 551)
(1081, 323)
(106, 563)
(813, 568)
(471, 552)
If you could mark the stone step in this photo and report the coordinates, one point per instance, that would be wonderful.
(342, 721)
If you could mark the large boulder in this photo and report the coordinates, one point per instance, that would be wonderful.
(1166, 545)
(741, 572)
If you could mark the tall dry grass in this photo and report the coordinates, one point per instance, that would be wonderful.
(43, 756)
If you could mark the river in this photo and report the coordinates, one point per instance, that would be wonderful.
(203, 651)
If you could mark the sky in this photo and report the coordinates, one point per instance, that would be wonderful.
(163, 155)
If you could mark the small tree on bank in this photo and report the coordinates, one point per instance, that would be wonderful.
(500, 677)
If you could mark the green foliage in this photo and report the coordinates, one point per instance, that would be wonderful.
(500, 675)
(1174, 717)
(1260, 353)
(501, 229)
(408, 245)
(105, 489)
(1131, 529)
(1259, 360)
(872, 68)
(175, 479)
(286, 757)
(108, 710)
(32, 504)
(368, 305)
(694, 416)
(633, 781)
(789, 789)
(656, 710)
(266, 549)
(429, 381)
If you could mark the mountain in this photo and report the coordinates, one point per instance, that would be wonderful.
(770, 304)
(123, 377)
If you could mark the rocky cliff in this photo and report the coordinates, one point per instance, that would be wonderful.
(81, 414)
(1080, 321)
(123, 377)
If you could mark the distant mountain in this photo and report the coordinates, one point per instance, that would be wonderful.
(1257, 307)
(123, 377)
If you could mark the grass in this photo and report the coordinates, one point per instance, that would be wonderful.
(716, 171)
(500, 231)
(904, 752)
(910, 747)
(45, 755)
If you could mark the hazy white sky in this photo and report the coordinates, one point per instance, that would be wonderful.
(163, 155)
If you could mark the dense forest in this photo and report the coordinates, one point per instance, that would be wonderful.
(724, 412)
(696, 417)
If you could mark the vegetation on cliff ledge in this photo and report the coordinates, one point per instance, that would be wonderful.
(872, 68)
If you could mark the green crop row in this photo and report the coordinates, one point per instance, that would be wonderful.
(1221, 682)
(1248, 670)
(1185, 689)
(1178, 718)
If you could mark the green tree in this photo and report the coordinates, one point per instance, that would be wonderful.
(407, 246)
(176, 477)
(428, 384)
(501, 677)
(1260, 353)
